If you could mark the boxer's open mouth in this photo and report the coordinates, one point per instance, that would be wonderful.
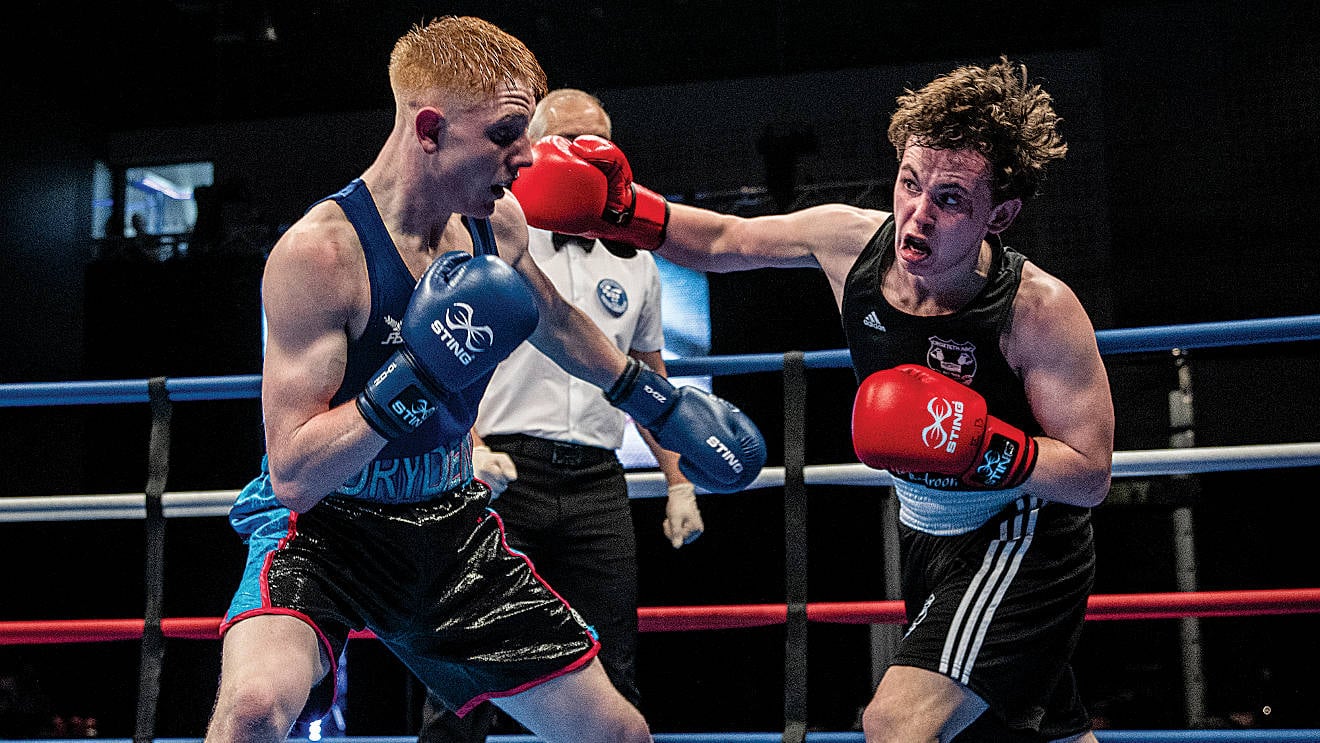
(913, 248)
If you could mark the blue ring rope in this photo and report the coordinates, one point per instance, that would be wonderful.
(1117, 341)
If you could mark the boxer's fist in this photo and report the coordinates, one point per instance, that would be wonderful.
(682, 524)
(585, 187)
(625, 201)
(464, 317)
(495, 468)
(720, 449)
(911, 419)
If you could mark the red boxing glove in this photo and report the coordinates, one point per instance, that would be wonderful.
(560, 191)
(911, 419)
(584, 187)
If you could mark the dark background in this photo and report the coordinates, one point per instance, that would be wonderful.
(1188, 195)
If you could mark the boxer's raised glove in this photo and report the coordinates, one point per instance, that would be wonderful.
(720, 449)
(465, 316)
(585, 187)
(910, 419)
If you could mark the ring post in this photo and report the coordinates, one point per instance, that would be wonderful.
(1182, 434)
(795, 548)
(153, 639)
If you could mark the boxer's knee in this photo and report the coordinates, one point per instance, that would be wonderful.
(882, 723)
(258, 708)
(625, 725)
(912, 704)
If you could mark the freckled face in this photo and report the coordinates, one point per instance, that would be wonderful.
(942, 208)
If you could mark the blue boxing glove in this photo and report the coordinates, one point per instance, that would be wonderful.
(465, 316)
(721, 450)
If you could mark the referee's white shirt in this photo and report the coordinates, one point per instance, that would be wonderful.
(530, 394)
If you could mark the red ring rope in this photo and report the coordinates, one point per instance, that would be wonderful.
(683, 618)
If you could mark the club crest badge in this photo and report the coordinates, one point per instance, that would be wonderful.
(952, 359)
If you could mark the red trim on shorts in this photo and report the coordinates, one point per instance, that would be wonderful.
(265, 564)
(267, 610)
(504, 542)
(575, 665)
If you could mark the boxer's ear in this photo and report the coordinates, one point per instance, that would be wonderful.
(1003, 215)
(429, 127)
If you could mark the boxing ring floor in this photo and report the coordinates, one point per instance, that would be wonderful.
(1187, 605)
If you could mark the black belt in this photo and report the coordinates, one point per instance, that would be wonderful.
(560, 453)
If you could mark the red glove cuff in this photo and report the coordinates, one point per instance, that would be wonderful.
(648, 218)
(1005, 459)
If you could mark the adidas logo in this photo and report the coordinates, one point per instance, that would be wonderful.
(871, 321)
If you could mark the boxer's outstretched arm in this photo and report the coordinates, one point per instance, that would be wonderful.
(829, 236)
(585, 187)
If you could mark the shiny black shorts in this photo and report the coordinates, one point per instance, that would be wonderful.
(435, 581)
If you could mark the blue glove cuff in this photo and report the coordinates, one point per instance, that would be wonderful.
(642, 394)
(397, 401)
(623, 386)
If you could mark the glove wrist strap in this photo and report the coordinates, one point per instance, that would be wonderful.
(649, 216)
(623, 386)
(378, 423)
(400, 397)
(641, 393)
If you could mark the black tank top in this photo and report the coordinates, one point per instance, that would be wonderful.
(963, 345)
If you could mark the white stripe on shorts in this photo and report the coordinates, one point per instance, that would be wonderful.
(1002, 559)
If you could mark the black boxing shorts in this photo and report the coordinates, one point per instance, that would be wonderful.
(435, 581)
(1000, 610)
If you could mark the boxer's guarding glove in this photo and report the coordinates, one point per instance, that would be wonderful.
(585, 187)
(910, 419)
(465, 316)
(720, 448)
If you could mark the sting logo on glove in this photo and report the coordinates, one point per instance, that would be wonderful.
(997, 460)
(459, 318)
(934, 435)
(725, 453)
(411, 407)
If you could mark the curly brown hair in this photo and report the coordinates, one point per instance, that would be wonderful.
(465, 56)
(993, 111)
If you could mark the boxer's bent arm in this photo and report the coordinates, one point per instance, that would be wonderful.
(1052, 345)
(308, 291)
(564, 333)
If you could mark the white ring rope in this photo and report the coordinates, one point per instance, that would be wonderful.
(1137, 463)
